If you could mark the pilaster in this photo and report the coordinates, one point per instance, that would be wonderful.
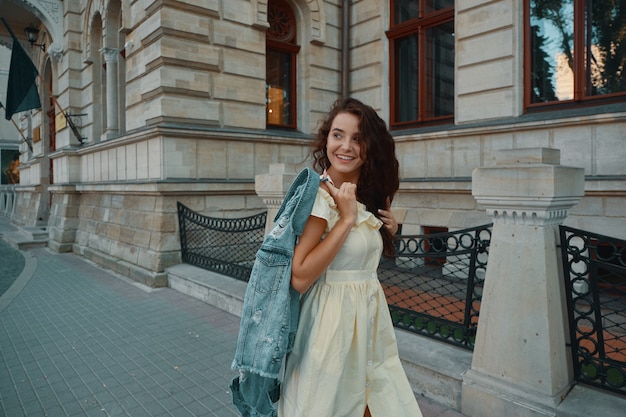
(111, 59)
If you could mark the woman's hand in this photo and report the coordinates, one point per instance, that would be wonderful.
(389, 221)
(345, 198)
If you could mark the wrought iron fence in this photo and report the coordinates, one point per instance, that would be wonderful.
(226, 246)
(595, 280)
(434, 286)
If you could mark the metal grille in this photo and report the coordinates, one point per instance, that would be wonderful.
(434, 286)
(226, 246)
(595, 280)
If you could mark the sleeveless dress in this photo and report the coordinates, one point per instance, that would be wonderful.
(345, 353)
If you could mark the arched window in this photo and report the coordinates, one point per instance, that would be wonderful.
(281, 52)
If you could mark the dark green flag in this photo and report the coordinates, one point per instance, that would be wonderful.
(22, 91)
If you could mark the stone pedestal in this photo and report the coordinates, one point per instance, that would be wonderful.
(272, 187)
(521, 364)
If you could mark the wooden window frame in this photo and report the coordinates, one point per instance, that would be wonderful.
(416, 26)
(581, 98)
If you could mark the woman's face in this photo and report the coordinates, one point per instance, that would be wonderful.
(343, 145)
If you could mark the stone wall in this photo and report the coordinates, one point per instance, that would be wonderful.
(134, 230)
(436, 169)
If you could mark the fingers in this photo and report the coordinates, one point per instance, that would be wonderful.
(345, 190)
(388, 219)
(345, 198)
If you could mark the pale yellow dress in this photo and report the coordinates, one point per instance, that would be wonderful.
(345, 354)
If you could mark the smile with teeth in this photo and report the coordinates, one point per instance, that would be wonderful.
(345, 158)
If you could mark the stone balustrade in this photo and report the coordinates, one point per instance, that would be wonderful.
(8, 199)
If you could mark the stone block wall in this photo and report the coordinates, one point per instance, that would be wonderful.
(136, 233)
(63, 220)
(126, 234)
(31, 207)
(436, 170)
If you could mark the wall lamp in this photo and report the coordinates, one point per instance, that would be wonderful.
(31, 36)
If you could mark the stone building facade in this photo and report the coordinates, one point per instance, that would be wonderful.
(168, 100)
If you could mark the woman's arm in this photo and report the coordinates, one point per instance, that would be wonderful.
(312, 255)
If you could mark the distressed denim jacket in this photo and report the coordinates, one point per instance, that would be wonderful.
(271, 306)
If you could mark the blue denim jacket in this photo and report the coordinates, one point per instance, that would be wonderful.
(271, 306)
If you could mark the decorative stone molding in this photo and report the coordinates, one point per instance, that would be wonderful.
(50, 12)
(110, 54)
(313, 12)
(528, 187)
(526, 213)
(272, 203)
(55, 51)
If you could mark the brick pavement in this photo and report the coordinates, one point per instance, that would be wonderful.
(77, 340)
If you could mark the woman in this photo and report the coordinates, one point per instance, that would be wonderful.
(345, 359)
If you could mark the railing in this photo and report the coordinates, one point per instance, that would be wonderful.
(8, 198)
(434, 286)
(595, 280)
(226, 246)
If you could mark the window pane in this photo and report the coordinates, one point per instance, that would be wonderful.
(606, 48)
(406, 78)
(278, 84)
(552, 49)
(439, 66)
(434, 5)
(404, 10)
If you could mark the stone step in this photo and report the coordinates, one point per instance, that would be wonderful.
(27, 238)
(215, 289)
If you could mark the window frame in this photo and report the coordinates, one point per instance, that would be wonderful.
(288, 46)
(580, 96)
(417, 26)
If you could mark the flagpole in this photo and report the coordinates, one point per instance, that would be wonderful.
(68, 118)
(31, 69)
(30, 146)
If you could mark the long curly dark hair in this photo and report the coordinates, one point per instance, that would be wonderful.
(379, 178)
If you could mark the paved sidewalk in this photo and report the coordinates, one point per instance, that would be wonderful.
(76, 340)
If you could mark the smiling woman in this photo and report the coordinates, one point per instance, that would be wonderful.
(345, 351)
(11, 265)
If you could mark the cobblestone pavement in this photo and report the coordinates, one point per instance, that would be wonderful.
(77, 340)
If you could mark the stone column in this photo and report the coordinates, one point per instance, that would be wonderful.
(111, 58)
(272, 187)
(521, 363)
